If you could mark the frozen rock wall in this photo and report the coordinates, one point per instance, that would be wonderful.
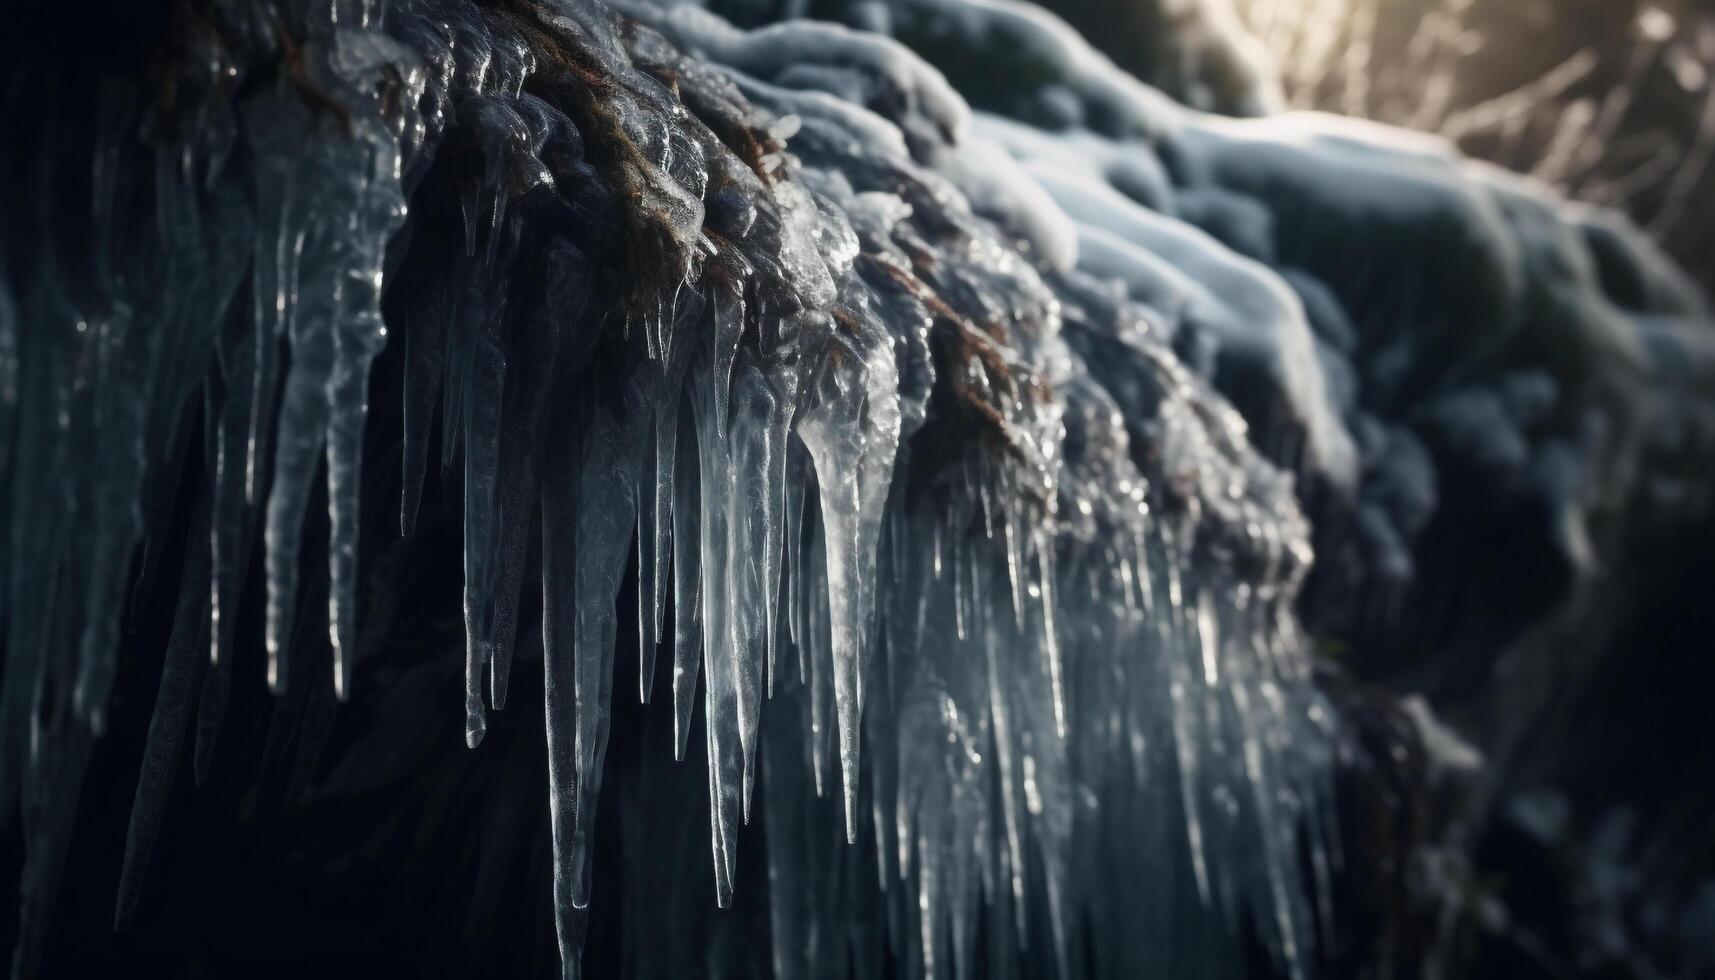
(962, 414)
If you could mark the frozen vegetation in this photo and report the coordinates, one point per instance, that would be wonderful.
(963, 414)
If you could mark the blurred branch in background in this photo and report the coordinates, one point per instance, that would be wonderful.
(1608, 100)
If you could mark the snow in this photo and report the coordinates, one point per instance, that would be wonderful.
(977, 448)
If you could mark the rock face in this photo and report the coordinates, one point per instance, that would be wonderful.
(953, 441)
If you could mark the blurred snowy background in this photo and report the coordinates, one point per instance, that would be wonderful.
(1609, 101)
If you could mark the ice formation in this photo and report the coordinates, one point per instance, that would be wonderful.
(967, 458)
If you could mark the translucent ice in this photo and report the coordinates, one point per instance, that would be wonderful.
(962, 458)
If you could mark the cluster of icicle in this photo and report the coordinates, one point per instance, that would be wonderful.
(904, 420)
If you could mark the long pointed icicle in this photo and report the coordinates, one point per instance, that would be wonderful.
(332, 319)
(606, 521)
(559, 668)
(753, 527)
(301, 426)
(233, 525)
(211, 716)
(539, 342)
(425, 353)
(181, 680)
(517, 517)
(661, 500)
(852, 432)
(482, 452)
(721, 691)
(358, 337)
(649, 558)
(687, 582)
(124, 340)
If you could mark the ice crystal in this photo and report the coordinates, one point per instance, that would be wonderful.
(906, 420)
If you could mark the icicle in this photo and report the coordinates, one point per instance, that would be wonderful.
(659, 498)
(852, 433)
(327, 299)
(648, 581)
(425, 347)
(756, 436)
(358, 337)
(1268, 825)
(743, 228)
(687, 578)
(784, 380)
(181, 679)
(819, 675)
(1185, 706)
(233, 524)
(718, 502)
(606, 520)
(1014, 568)
(1050, 635)
(792, 522)
(126, 346)
(559, 666)
(542, 352)
(517, 518)
(482, 442)
(666, 478)
(30, 587)
(728, 307)
(1005, 762)
(929, 900)
(280, 247)
(211, 715)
